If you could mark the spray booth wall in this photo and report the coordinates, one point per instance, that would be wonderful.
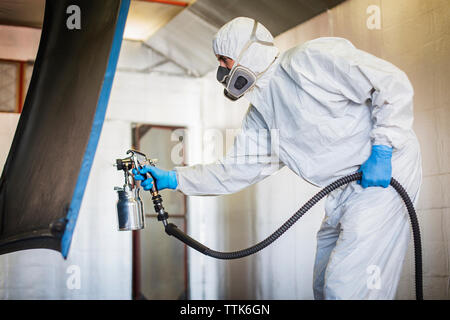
(413, 34)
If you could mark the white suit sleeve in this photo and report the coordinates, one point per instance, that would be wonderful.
(249, 161)
(366, 79)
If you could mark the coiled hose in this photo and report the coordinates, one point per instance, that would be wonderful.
(172, 229)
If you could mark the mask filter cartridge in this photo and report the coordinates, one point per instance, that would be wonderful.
(222, 74)
(240, 82)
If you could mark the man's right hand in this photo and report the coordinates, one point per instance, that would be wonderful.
(164, 179)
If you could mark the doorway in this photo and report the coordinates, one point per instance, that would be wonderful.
(160, 262)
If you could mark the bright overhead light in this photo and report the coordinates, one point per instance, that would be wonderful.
(145, 18)
(137, 30)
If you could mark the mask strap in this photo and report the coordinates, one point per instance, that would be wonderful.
(253, 39)
(273, 61)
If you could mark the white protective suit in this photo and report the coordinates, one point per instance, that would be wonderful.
(328, 102)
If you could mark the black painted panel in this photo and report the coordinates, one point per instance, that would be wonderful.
(45, 158)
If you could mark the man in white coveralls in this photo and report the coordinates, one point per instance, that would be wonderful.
(337, 110)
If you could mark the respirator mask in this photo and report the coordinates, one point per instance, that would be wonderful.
(239, 79)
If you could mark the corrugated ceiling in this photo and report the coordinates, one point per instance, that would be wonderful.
(182, 36)
(277, 15)
(187, 38)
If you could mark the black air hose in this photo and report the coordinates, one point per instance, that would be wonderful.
(172, 229)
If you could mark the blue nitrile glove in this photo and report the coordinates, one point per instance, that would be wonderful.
(377, 170)
(164, 179)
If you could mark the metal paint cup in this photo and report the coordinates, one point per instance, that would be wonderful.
(130, 209)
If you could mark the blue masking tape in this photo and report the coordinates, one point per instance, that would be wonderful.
(97, 125)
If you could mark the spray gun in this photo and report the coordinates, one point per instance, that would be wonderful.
(130, 211)
(130, 208)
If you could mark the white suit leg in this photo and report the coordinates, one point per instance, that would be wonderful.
(326, 241)
(367, 260)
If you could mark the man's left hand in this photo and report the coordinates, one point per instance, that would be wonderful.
(377, 170)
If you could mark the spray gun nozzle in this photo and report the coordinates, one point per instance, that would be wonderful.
(124, 164)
